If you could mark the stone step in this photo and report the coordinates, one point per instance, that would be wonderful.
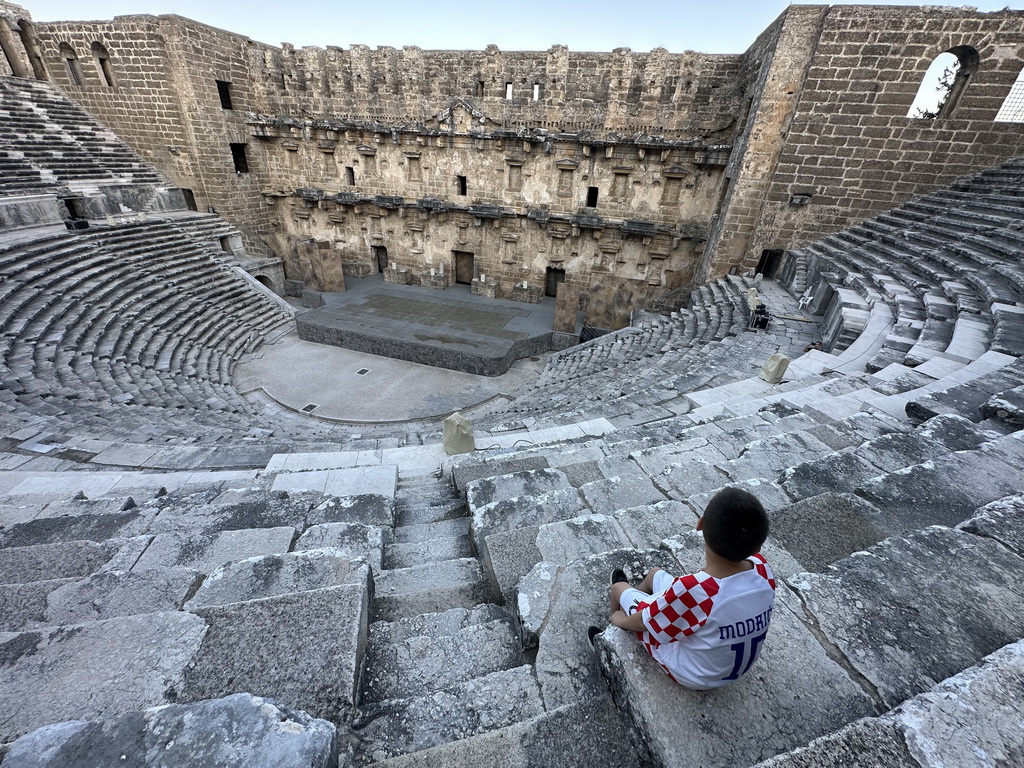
(591, 733)
(972, 714)
(946, 490)
(408, 554)
(421, 511)
(848, 469)
(900, 625)
(45, 562)
(105, 668)
(186, 734)
(505, 532)
(531, 482)
(441, 624)
(302, 649)
(452, 527)
(423, 664)
(401, 726)
(429, 588)
(814, 703)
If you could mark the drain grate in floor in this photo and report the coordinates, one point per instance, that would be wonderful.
(310, 408)
(362, 371)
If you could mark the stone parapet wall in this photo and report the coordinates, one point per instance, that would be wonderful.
(656, 92)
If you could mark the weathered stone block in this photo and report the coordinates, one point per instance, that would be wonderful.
(1002, 520)
(793, 682)
(44, 562)
(902, 627)
(822, 529)
(117, 593)
(623, 492)
(102, 668)
(531, 483)
(204, 552)
(367, 509)
(303, 650)
(254, 731)
(275, 575)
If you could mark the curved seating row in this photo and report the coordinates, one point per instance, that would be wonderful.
(48, 140)
(948, 265)
(136, 314)
(639, 365)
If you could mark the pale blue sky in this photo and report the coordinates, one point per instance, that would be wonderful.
(712, 26)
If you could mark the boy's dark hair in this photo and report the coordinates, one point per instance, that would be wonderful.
(735, 524)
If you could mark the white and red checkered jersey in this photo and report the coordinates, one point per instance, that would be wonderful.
(706, 632)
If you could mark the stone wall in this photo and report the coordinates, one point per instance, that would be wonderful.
(412, 125)
(679, 95)
(699, 162)
(847, 142)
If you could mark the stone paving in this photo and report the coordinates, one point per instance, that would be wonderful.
(296, 373)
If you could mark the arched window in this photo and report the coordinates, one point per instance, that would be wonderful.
(1012, 110)
(944, 83)
(71, 61)
(102, 59)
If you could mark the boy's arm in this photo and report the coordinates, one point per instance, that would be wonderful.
(633, 622)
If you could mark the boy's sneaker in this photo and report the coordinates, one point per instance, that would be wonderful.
(619, 575)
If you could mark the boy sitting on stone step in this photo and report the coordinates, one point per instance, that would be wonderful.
(705, 629)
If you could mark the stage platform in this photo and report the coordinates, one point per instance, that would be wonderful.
(447, 329)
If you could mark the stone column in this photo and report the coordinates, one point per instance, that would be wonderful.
(10, 48)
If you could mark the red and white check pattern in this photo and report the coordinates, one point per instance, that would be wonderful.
(680, 610)
(761, 566)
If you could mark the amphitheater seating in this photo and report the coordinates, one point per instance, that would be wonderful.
(47, 140)
(686, 350)
(143, 314)
(953, 248)
(443, 614)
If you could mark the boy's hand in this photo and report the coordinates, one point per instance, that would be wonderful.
(622, 620)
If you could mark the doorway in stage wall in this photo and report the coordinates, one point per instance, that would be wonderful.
(768, 263)
(552, 279)
(380, 256)
(463, 267)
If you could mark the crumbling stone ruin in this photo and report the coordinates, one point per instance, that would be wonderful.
(189, 570)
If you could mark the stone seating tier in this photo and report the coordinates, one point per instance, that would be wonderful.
(64, 317)
(606, 368)
(53, 135)
(808, 468)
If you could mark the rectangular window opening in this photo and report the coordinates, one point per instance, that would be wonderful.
(515, 178)
(508, 91)
(74, 72)
(350, 175)
(591, 197)
(415, 172)
(107, 72)
(480, 88)
(238, 157)
(224, 91)
(564, 182)
(536, 91)
(462, 185)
